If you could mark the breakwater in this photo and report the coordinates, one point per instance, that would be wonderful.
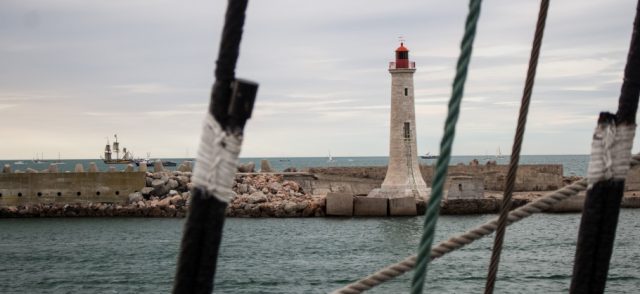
(162, 193)
(165, 193)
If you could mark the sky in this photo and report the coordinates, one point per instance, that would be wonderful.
(74, 72)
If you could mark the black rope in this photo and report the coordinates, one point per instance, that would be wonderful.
(602, 205)
(231, 105)
(517, 145)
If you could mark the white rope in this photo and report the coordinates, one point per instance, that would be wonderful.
(461, 240)
(610, 152)
(217, 160)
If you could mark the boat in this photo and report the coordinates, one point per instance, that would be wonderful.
(39, 160)
(18, 162)
(58, 161)
(108, 159)
(330, 157)
(150, 162)
(428, 155)
(499, 154)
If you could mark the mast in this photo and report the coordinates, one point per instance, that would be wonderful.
(116, 147)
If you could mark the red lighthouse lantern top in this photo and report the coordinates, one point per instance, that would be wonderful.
(402, 58)
(402, 48)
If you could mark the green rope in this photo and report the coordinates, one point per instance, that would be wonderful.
(433, 207)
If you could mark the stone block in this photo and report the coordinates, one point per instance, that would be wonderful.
(405, 206)
(465, 187)
(339, 204)
(370, 206)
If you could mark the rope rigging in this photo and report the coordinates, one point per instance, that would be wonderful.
(231, 105)
(517, 145)
(458, 241)
(433, 206)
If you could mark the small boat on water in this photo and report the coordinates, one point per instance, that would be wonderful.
(108, 159)
(18, 162)
(151, 162)
(428, 156)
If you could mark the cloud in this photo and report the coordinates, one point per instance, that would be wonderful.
(145, 69)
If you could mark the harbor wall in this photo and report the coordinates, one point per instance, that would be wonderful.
(77, 187)
(633, 179)
(538, 177)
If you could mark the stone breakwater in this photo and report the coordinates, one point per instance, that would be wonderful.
(167, 194)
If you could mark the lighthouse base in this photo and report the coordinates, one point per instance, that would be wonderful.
(419, 193)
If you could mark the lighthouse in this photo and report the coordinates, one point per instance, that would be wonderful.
(403, 178)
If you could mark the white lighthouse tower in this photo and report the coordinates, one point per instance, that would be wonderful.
(403, 178)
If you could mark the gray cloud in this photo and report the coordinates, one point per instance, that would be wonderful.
(75, 71)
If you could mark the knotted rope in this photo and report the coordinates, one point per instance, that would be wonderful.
(433, 207)
(458, 241)
(517, 145)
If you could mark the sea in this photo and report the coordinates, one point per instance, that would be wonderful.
(303, 255)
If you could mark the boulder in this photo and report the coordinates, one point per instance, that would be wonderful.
(257, 197)
(173, 184)
(129, 168)
(290, 170)
(243, 188)
(6, 169)
(79, 168)
(142, 166)
(164, 202)
(159, 187)
(274, 187)
(247, 167)
(185, 166)
(290, 207)
(265, 166)
(135, 197)
(157, 166)
(93, 168)
(53, 168)
(175, 200)
(292, 185)
(31, 170)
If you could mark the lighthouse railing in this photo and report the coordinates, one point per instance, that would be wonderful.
(394, 65)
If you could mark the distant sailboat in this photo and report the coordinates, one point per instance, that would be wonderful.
(330, 157)
(499, 154)
(58, 161)
(108, 159)
(39, 160)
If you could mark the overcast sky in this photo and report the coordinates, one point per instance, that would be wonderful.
(75, 72)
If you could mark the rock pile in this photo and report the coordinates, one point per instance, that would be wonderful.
(268, 195)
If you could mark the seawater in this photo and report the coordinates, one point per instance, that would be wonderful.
(314, 255)
(572, 164)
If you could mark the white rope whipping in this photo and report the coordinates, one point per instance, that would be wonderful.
(610, 152)
(217, 160)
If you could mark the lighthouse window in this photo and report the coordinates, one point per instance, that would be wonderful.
(407, 131)
(406, 91)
